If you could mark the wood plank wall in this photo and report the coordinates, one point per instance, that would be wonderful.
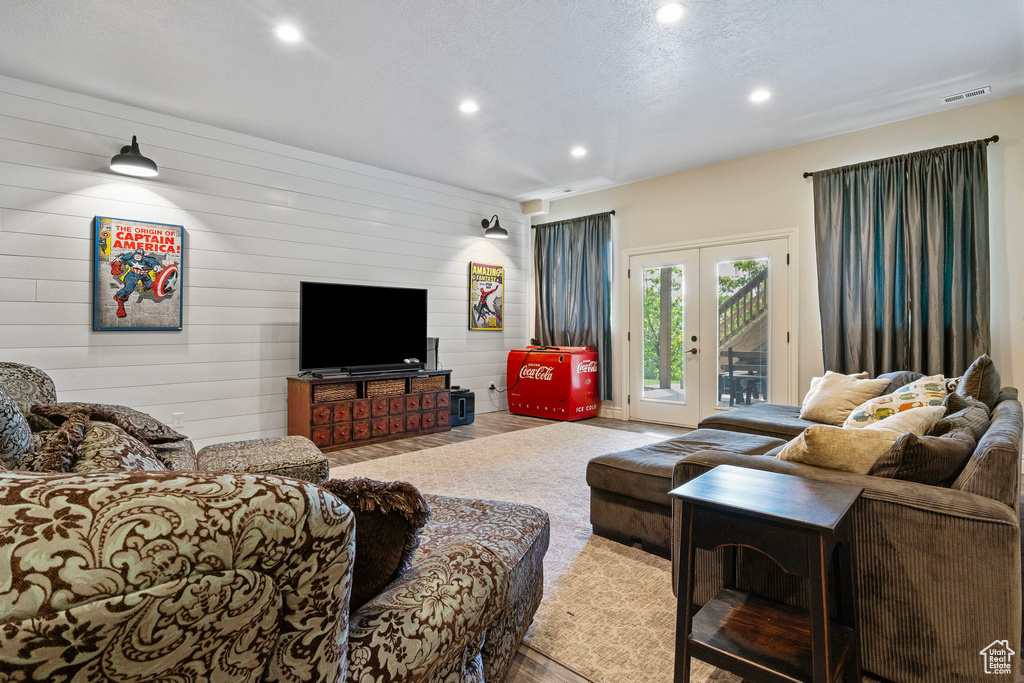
(260, 217)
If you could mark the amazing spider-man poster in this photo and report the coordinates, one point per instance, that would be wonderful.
(139, 271)
(486, 296)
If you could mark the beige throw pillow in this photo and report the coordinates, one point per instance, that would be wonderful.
(917, 421)
(835, 448)
(833, 397)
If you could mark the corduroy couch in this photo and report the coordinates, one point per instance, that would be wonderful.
(939, 569)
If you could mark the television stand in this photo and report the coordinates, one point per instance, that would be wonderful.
(345, 412)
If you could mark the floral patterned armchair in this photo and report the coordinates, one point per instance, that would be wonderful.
(172, 576)
(134, 577)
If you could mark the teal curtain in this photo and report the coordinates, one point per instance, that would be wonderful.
(572, 286)
(902, 258)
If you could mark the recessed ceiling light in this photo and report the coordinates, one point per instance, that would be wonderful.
(670, 13)
(469, 106)
(760, 95)
(288, 33)
(579, 152)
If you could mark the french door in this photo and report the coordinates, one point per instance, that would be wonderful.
(708, 330)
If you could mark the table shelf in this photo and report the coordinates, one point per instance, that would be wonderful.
(739, 630)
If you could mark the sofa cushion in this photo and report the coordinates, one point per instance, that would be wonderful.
(283, 456)
(963, 412)
(646, 473)
(57, 449)
(764, 419)
(993, 469)
(15, 433)
(389, 516)
(28, 386)
(925, 391)
(833, 397)
(981, 381)
(933, 460)
(177, 455)
(138, 424)
(836, 448)
(478, 574)
(898, 379)
(106, 447)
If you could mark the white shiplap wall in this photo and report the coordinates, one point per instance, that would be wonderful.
(260, 217)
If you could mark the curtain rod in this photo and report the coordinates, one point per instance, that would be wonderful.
(994, 138)
(541, 225)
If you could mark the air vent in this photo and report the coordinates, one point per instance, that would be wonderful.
(565, 191)
(960, 96)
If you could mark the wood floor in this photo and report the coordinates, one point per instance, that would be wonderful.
(529, 666)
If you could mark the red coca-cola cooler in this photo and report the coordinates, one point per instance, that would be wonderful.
(558, 382)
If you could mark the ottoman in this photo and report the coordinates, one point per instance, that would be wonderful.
(285, 456)
(629, 500)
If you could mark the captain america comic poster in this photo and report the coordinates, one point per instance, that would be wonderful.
(139, 271)
(486, 296)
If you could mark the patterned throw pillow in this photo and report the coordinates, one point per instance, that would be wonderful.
(27, 386)
(926, 391)
(963, 413)
(15, 434)
(389, 517)
(106, 447)
(57, 449)
(137, 423)
(932, 460)
(981, 381)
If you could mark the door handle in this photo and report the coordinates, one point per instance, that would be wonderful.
(693, 351)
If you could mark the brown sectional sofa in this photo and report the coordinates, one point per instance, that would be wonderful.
(939, 569)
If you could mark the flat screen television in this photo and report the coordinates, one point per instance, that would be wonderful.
(353, 326)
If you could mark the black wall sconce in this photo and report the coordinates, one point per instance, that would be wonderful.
(131, 162)
(494, 231)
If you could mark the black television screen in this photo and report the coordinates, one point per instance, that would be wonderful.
(350, 325)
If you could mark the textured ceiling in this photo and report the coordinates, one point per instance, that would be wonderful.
(379, 81)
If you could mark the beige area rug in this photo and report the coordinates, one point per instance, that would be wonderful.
(608, 611)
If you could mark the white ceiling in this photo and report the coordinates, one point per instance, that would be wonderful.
(379, 81)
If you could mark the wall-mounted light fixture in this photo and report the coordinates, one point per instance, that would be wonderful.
(494, 231)
(131, 162)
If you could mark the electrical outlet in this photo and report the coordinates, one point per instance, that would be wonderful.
(492, 387)
(177, 420)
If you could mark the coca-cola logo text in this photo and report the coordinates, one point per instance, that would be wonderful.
(543, 373)
(587, 366)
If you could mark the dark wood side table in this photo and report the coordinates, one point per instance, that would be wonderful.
(806, 527)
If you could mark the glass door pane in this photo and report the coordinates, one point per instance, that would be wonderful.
(743, 340)
(664, 330)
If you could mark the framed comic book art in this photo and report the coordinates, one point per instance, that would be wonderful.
(138, 274)
(486, 296)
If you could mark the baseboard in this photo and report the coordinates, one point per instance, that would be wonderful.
(610, 411)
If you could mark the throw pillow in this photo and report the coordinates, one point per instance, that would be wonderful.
(106, 447)
(981, 381)
(900, 378)
(925, 391)
(932, 460)
(137, 423)
(917, 421)
(834, 396)
(963, 413)
(389, 517)
(57, 449)
(835, 448)
(15, 433)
